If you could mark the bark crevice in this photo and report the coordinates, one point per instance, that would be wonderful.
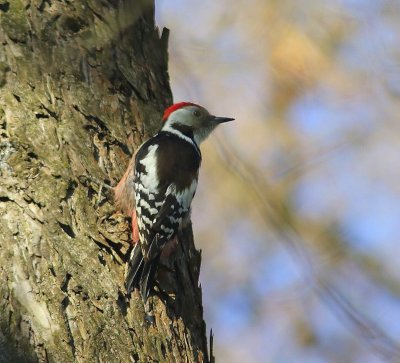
(81, 85)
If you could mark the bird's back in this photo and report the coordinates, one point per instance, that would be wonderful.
(166, 176)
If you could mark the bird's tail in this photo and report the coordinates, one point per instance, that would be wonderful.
(135, 268)
(141, 273)
(148, 276)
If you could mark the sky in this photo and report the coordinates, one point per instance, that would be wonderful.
(314, 90)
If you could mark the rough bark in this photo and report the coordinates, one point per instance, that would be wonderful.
(82, 83)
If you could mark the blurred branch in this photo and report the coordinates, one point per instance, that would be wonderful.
(368, 330)
(275, 212)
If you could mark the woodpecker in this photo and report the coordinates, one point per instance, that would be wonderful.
(162, 178)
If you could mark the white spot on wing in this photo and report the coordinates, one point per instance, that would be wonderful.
(172, 219)
(147, 206)
(184, 197)
(146, 220)
(149, 181)
(167, 230)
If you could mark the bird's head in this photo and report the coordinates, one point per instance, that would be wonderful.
(192, 120)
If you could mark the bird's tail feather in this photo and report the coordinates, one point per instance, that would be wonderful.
(135, 268)
(147, 278)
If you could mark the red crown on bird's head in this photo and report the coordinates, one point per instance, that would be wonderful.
(175, 107)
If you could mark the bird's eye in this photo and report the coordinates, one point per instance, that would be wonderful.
(196, 113)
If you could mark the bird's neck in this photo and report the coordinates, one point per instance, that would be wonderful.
(187, 132)
(182, 131)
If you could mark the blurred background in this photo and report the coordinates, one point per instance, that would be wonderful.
(298, 207)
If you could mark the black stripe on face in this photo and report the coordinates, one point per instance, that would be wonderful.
(184, 129)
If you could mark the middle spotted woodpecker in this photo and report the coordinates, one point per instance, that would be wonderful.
(162, 179)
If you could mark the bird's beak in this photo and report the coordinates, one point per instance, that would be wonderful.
(220, 120)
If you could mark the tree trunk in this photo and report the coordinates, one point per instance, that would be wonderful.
(82, 83)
